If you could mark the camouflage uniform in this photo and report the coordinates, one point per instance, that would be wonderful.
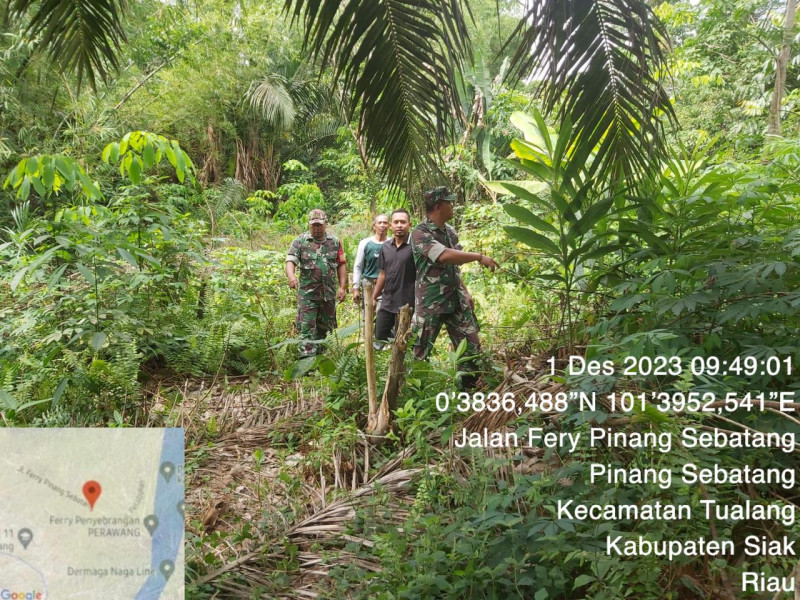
(317, 263)
(440, 296)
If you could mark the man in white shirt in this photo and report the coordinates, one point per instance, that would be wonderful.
(366, 265)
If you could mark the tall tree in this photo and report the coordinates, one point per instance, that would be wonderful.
(397, 60)
(774, 120)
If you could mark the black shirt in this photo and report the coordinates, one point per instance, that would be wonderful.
(398, 287)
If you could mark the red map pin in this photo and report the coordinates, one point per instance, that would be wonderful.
(92, 491)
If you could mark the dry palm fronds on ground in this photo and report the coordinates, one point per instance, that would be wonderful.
(327, 525)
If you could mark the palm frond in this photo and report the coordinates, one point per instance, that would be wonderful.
(84, 35)
(317, 131)
(598, 63)
(310, 98)
(272, 99)
(396, 60)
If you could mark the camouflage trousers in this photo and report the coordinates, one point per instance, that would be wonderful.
(315, 319)
(460, 325)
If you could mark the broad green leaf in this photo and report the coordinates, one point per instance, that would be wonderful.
(300, 367)
(536, 169)
(523, 214)
(525, 194)
(590, 218)
(98, 339)
(56, 277)
(529, 152)
(135, 170)
(582, 580)
(148, 156)
(18, 278)
(125, 164)
(498, 187)
(31, 166)
(347, 331)
(7, 401)
(531, 129)
(22, 407)
(484, 143)
(62, 385)
(128, 257)
(39, 186)
(123, 143)
(325, 365)
(601, 251)
(562, 141)
(170, 152)
(48, 175)
(87, 274)
(24, 189)
(562, 205)
(533, 239)
(180, 159)
(148, 257)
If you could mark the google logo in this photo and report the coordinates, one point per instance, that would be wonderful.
(7, 594)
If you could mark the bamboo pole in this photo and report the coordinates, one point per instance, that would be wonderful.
(397, 362)
(380, 421)
(372, 390)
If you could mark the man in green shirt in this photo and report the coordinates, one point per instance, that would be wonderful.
(366, 265)
(319, 257)
(440, 295)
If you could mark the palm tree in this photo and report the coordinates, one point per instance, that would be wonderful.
(81, 35)
(598, 61)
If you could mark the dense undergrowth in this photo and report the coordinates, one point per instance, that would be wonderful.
(154, 278)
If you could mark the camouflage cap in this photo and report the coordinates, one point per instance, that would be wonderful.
(436, 195)
(317, 216)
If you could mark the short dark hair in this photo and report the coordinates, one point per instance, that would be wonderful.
(402, 210)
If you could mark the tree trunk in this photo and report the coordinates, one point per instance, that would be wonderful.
(774, 120)
(372, 390)
(397, 363)
(380, 420)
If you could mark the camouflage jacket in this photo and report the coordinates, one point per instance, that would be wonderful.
(316, 263)
(438, 288)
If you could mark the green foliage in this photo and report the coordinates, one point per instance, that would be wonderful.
(723, 70)
(261, 202)
(95, 290)
(136, 151)
(48, 174)
(609, 95)
(140, 150)
(82, 35)
(720, 270)
(573, 213)
(301, 199)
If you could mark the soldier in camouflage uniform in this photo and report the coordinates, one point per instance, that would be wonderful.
(320, 258)
(440, 295)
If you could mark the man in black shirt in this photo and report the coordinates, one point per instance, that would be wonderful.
(396, 277)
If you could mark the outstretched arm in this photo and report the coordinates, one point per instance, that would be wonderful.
(458, 257)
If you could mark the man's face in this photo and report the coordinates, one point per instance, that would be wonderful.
(400, 224)
(445, 208)
(381, 225)
(317, 230)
